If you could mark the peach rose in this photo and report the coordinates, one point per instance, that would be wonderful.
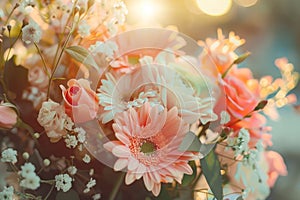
(81, 102)
(240, 101)
(276, 167)
(8, 116)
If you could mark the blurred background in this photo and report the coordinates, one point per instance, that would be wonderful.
(271, 29)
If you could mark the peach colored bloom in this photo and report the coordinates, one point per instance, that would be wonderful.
(54, 120)
(240, 101)
(81, 102)
(147, 145)
(8, 116)
(219, 53)
(276, 166)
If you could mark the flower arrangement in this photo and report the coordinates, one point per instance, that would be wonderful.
(85, 100)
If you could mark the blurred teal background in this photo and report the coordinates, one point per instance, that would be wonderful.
(271, 29)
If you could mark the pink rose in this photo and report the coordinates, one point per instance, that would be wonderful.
(8, 116)
(276, 167)
(81, 102)
(240, 101)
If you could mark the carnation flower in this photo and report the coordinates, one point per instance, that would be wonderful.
(151, 153)
(53, 118)
(7, 193)
(31, 33)
(9, 155)
(63, 182)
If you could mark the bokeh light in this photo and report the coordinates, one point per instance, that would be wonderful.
(214, 7)
(246, 3)
(147, 10)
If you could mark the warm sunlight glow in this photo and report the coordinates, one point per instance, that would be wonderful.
(214, 7)
(246, 3)
(146, 10)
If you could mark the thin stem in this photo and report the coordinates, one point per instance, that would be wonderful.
(49, 193)
(43, 60)
(10, 14)
(117, 186)
(60, 56)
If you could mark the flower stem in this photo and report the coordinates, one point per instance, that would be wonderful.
(43, 60)
(117, 186)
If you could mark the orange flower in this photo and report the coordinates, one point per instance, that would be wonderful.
(81, 102)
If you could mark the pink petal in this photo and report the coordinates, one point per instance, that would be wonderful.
(129, 178)
(120, 164)
(110, 145)
(156, 189)
(121, 151)
(133, 164)
(148, 182)
(122, 138)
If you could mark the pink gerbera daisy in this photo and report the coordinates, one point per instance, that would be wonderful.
(147, 146)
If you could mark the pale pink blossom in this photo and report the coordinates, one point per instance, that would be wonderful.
(276, 166)
(37, 77)
(81, 102)
(147, 146)
(8, 116)
(54, 120)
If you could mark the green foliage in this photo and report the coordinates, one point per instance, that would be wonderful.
(211, 169)
(82, 55)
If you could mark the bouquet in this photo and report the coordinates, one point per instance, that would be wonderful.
(90, 105)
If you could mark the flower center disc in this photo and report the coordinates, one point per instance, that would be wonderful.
(148, 147)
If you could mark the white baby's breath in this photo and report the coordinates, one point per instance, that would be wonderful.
(96, 196)
(71, 141)
(7, 193)
(32, 181)
(27, 170)
(86, 158)
(31, 33)
(72, 170)
(9, 155)
(63, 182)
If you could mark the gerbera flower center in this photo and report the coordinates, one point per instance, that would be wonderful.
(148, 147)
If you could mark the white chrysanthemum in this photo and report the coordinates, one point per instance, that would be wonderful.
(96, 196)
(71, 141)
(7, 193)
(63, 182)
(32, 181)
(27, 170)
(72, 170)
(31, 33)
(86, 158)
(9, 155)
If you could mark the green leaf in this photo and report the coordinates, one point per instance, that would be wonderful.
(71, 194)
(261, 105)
(211, 169)
(82, 55)
(190, 143)
(188, 179)
(241, 58)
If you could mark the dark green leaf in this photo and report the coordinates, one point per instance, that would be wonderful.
(190, 143)
(71, 194)
(211, 169)
(82, 55)
(188, 179)
(261, 105)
